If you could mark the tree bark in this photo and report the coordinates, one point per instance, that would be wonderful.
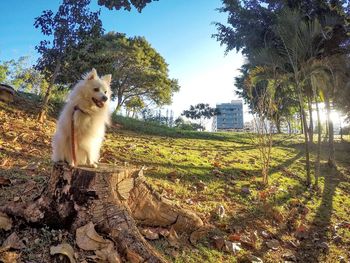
(311, 123)
(301, 119)
(43, 110)
(331, 151)
(305, 129)
(318, 155)
(289, 127)
(278, 124)
(114, 199)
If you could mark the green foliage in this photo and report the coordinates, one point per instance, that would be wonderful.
(250, 23)
(288, 34)
(3, 72)
(181, 124)
(200, 111)
(22, 76)
(138, 71)
(72, 24)
(125, 4)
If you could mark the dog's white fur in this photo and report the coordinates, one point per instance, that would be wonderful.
(89, 121)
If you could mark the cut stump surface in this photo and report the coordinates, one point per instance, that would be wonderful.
(115, 199)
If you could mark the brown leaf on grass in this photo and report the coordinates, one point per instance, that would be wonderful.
(149, 234)
(217, 164)
(5, 222)
(220, 211)
(13, 241)
(234, 237)
(64, 249)
(162, 231)
(218, 173)
(4, 181)
(219, 242)
(247, 241)
(199, 234)
(108, 254)
(88, 239)
(277, 216)
(4, 162)
(31, 166)
(9, 257)
(273, 244)
(133, 257)
(173, 176)
(173, 238)
(263, 195)
(201, 186)
(232, 247)
(301, 232)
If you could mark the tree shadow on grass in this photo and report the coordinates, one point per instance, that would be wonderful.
(312, 246)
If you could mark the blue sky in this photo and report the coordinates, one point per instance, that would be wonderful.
(180, 30)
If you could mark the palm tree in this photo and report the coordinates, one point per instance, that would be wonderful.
(298, 37)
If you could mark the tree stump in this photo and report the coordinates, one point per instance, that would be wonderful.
(114, 199)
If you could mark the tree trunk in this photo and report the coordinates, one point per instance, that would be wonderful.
(278, 125)
(43, 110)
(327, 132)
(289, 127)
(119, 104)
(307, 151)
(113, 199)
(318, 155)
(311, 124)
(331, 157)
(301, 119)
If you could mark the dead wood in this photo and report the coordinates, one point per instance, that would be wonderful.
(115, 199)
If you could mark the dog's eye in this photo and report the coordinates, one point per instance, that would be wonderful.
(105, 92)
(96, 89)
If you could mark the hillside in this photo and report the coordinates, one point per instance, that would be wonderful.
(200, 171)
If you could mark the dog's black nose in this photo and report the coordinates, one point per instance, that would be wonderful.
(104, 98)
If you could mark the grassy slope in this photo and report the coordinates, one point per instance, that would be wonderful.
(285, 209)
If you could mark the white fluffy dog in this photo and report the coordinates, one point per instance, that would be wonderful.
(83, 119)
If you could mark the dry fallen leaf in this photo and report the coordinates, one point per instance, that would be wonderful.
(234, 237)
(301, 232)
(87, 238)
(220, 211)
(219, 242)
(5, 222)
(232, 247)
(4, 181)
(274, 244)
(9, 257)
(13, 241)
(199, 234)
(133, 257)
(108, 254)
(149, 234)
(4, 162)
(173, 238)
(278, 216)
(64, 249)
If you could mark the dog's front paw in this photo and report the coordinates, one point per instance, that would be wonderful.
(92, 165)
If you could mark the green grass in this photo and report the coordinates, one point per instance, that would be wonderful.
(193, 156)
(154, 128)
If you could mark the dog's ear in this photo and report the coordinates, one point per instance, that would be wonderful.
(107, 78)
(92, 75)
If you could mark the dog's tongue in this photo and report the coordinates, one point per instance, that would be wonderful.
(97, 103)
